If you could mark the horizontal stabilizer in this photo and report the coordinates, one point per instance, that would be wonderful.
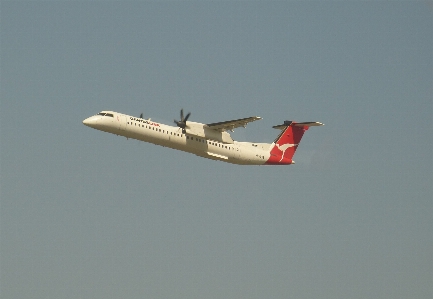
(303, 124)
(309, 124)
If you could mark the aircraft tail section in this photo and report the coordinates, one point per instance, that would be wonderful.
(285, 145)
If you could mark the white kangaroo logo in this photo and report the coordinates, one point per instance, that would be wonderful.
(284, 147)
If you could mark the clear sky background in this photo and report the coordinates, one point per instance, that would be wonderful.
(87, 214)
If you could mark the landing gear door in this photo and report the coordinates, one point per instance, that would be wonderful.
(121, 119)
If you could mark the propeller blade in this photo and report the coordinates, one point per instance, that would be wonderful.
(182, 122)
(187, 116)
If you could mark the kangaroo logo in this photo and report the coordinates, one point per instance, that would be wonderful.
(284, 147)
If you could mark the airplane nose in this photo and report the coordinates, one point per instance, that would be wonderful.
(91, 121)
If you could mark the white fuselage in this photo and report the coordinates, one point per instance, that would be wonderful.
(244, 153)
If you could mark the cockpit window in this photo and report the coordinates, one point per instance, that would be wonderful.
(106, 114)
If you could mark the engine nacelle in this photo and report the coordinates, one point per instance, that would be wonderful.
(200, 130)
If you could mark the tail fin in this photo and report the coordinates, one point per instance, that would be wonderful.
(285, 145)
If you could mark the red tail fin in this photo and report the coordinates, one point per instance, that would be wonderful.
(287, 142)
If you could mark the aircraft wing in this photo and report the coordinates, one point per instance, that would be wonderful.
(232, 124)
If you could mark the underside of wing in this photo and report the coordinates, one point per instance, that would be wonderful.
(232, 124)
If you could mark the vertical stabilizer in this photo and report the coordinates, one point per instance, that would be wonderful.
(284, 147)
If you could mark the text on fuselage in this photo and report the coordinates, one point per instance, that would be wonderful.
(144, 121)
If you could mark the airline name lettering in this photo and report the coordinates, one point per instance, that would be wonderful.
(144, 121)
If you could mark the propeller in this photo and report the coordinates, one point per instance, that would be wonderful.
(182, 122)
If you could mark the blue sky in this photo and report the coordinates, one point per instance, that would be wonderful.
(87, 214)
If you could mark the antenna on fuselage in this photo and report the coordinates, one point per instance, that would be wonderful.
(141, 116)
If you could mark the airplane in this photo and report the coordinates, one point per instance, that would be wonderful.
(210, 141)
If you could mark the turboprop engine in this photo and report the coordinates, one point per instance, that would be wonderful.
(202, 131)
